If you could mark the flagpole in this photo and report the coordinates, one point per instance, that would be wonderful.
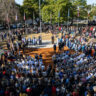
(25, 22)
(88, 16)
(58, 18)
(16, 18)
(67, 26)
(77, 23)
(8, 22)
(25, 27)
(50, 18)
(33, 17)
(77, 17)
(68, 20)
(9, 26)
(40, 15)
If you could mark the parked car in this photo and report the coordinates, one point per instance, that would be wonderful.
(1, 27)
(19, 25)
(13, 26)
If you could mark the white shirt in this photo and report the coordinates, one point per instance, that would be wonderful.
(34, 72)
(29, 39)
(42, 67)
(40, 62)
(44, 73)
(36, 62)
(23, 62)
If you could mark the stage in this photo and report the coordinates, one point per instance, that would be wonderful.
(45, 44)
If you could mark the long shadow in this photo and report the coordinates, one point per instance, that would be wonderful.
(47, 56)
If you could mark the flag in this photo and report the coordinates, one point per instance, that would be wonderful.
(78, 12)
(68, 13)
(16, 17)
(7, 18)
(24, 17)
(88, 13)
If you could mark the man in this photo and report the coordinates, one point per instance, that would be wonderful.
(54, 46)
(19, 37)
(29, 40)
(52, 38)
(40, 40)
(8, 45)
(60, 47)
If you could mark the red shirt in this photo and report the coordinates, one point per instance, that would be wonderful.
(53, 89)
(28, 90)
(75, 94)
(59, 28)
(4, 72)
(7, 93)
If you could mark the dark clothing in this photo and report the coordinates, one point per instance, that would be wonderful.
(54, 47)
(52, 39)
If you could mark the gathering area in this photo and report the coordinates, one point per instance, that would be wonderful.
(66, 68)
(47, 47)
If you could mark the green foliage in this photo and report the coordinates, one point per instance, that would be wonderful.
(92, 12)
(56, 10)
(30, 7)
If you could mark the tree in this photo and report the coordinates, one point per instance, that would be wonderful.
(82, 4)
(55, 10)
(8, 10)
(92, 12)
(30, 7)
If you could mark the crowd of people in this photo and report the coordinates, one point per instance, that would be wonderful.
(82, 40)
(71, 75)
(34, 41)
(75, 73)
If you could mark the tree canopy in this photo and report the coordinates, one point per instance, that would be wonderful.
(8, 10)
(56, 10)
(52, 11)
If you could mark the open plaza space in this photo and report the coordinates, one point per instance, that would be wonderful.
(47, 48)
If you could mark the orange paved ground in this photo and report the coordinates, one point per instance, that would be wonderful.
(47, 54)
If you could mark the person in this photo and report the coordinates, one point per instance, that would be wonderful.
(34, 41)
(54, 47)
(60, 46)
(29, 40)
(40, 40)
(19, 37)
(40, 56)
(36, 56)
(8, 45)
(72, 74)
(52, 39)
